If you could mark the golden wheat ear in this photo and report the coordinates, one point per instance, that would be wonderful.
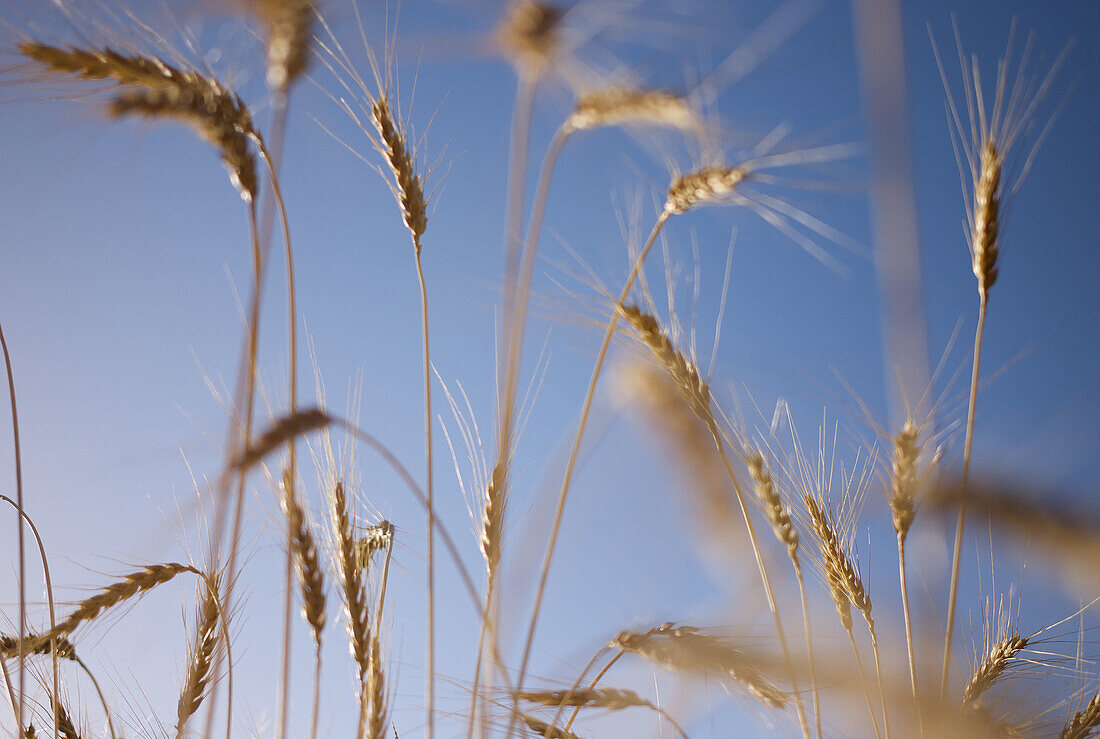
(289, 27)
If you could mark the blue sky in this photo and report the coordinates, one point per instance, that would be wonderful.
(124, 248)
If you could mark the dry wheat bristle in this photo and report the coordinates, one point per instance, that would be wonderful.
(703, 186)
(352, 585)
(903, 478)
(377, 538)
(618, 106)
(689, 383)
(543, 729)
(492, 519)
(844, 584)
(770, 500)
(612, 699)
(1083, 721)
(289, 26)
(987, 204)
(376, 692)
(306, 563)
(202, 657)
(686, 649)
(162, 90)
(280, 432)
(993, 667)
(528, 33)
(409, 188)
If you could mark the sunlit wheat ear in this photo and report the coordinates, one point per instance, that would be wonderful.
(988, 143)
(492, 519)
(993, 667)
(690, 385)
(624, 106)
(131, 586)
(538, 727)
(201, 661)
(1083, 721)
(707, 185)
(687, 649)
(778, 514)
(65, 726)
(611, 699)
(408, 188)
(352, 586)
(839, 573)
(289, 25)
(528, 33)
(904, 479)
(374, 540)
(154, 88)
(306, 562)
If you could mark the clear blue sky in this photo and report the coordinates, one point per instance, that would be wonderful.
(123, 247)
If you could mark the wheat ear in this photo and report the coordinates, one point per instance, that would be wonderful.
(904, 482)
(289, 25)
(619, 106)
(1083, 721)
(993, 667)
(540, 728)
(351, 581)
(200, 666)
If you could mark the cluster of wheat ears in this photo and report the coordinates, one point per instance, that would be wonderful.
(742, 482)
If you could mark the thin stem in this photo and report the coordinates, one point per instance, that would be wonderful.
(99, 692)
(866, 686)
(19, 525)
(956, 557)
(472, 715)
(316, 715)
(878, 674)
(809, 639)
(53, 616)
(430, 491)
(8, 685)
(908, 628)
(245, 442)
(574, 453)
(716, 434)
(591, 686)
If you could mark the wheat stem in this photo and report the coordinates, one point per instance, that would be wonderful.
(575, 452)
(809, 641)
(959, 524)
(903, 582)
(21, 676)
(863, 680)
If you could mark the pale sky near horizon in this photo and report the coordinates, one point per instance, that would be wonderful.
(125, 254)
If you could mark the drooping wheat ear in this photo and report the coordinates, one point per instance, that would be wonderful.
(131, 586)
(993, 667)
(160, 90)
(612, 699)
(280, 432)
(903, 479)
(539, 727)
(9, 646)
(772, 503)
(528, 33)
(841, 574)
(686, 649)
(377, 538)
(289, 26)
(1084, 721)
(703, 186)
(689, 383)
(987, 205)
(619, 106)
(492, 519)
(202, 657)
(351, 582)
(409, 190)
(306, 562)
(29, 732)
(378, 714)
